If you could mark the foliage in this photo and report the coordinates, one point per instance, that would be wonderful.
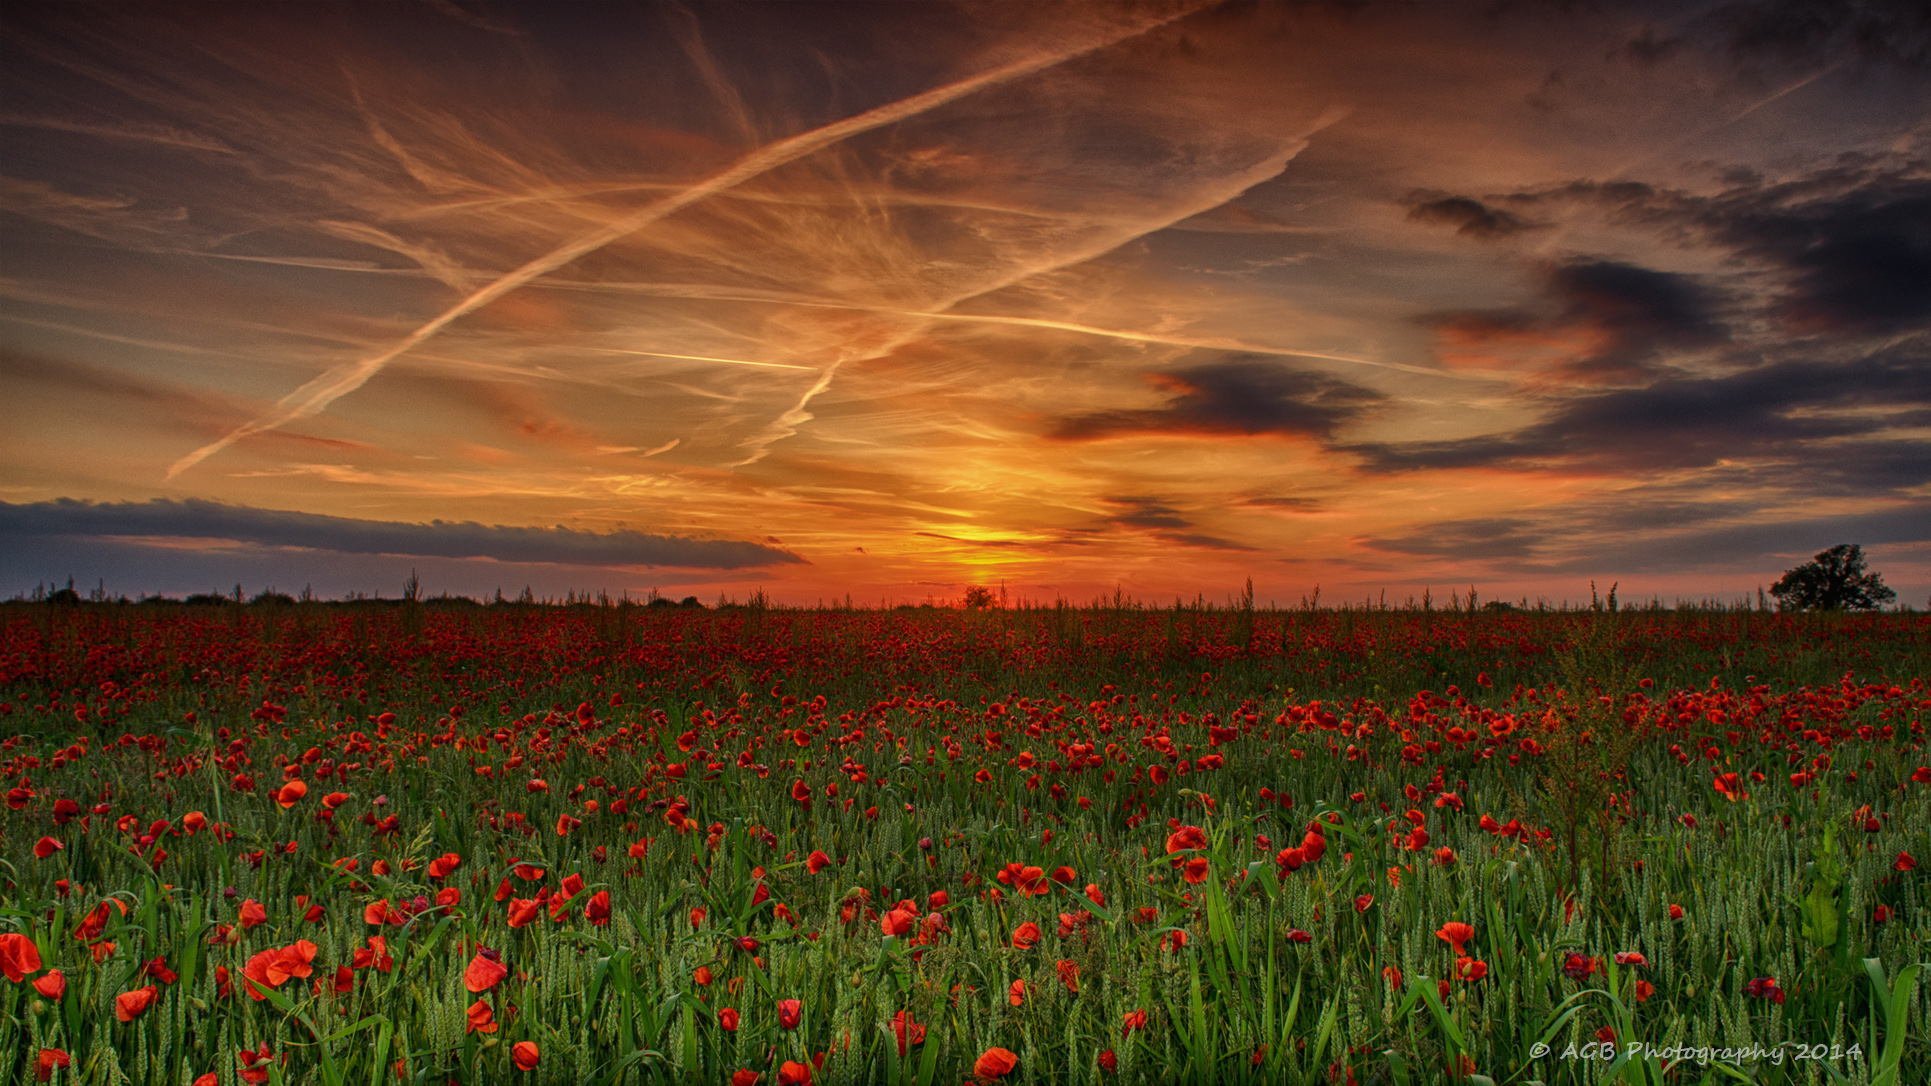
(529, 844)
(1835, 580)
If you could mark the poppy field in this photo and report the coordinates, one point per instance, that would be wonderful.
(427, 844)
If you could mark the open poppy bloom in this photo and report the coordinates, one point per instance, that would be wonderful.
(483, 973)
(50, 1060)
(908, 1031)
(131, 1005)
(18, 956)
(995, 1063)
(274, 967)
(1456, 934)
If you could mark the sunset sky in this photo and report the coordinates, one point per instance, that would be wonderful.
(887, 299)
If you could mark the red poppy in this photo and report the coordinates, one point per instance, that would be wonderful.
(481, 1018)
(790, 1013)
(51, 985)
(995, 1063)
(1016, 993)
(1456, 934)
(817, 862)
(483, 973)
(1133, 1020)
(253, 914)
(50, 1059)
(253, 1065)
(1068, 974)
(597, 910)
(46, 847)
(291, 793)
(131, 1005)
(1025, 935)
(276, 966)
(908, 1031)
(793, 1073)
(1181, 840)
(18, 956)
(526, 1055)
(727, 1019)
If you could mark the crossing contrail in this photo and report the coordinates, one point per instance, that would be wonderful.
(316, 395)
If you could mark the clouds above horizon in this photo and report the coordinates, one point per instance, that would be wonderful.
(192, 519)
(1068, 296)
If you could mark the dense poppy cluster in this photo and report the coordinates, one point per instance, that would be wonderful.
(776, 847)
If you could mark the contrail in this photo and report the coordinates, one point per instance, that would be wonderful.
(332, 385)
(1211, 343)
(703, 358)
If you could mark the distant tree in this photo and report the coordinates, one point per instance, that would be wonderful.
(1835, 580)
(978, 597)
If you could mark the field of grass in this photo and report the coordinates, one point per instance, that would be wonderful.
(375, 844)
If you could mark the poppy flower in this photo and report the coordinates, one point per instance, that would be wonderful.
(131, 1005)
(817, 862)
(288, 795)
(253, 1065)
(484, 973)
(481, 1018)
(908, 1031)
(1132, 1020)
(1025, 935)
(1764, 988)
(46, 847)
(793, 1073)
(1108, 1061)
(1195, 870)
(1456, 934)
(1904, 862)
(525, 1054)
(790, 1013)
(1016, 993)
(49, 1061)
(995, 1063)
(1068, 974)
(18, 956)
(276, 966)
(597, 910)
(253, 914)
(727, 1019)
(744, 1076)
(51, 985)
(1181, 840)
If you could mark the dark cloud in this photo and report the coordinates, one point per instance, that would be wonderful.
(1776, 416)
(1147, 513)
(1850, 242)
(1891, 31)
(43, 523)
(1647, 531)
(1239, 396)
(1470, 217)
(1480, 538)
(1610, 321)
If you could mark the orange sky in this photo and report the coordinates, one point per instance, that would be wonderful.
(889, 299)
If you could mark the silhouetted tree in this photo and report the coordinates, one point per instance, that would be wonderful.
(978, 597)
(1835, 580)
